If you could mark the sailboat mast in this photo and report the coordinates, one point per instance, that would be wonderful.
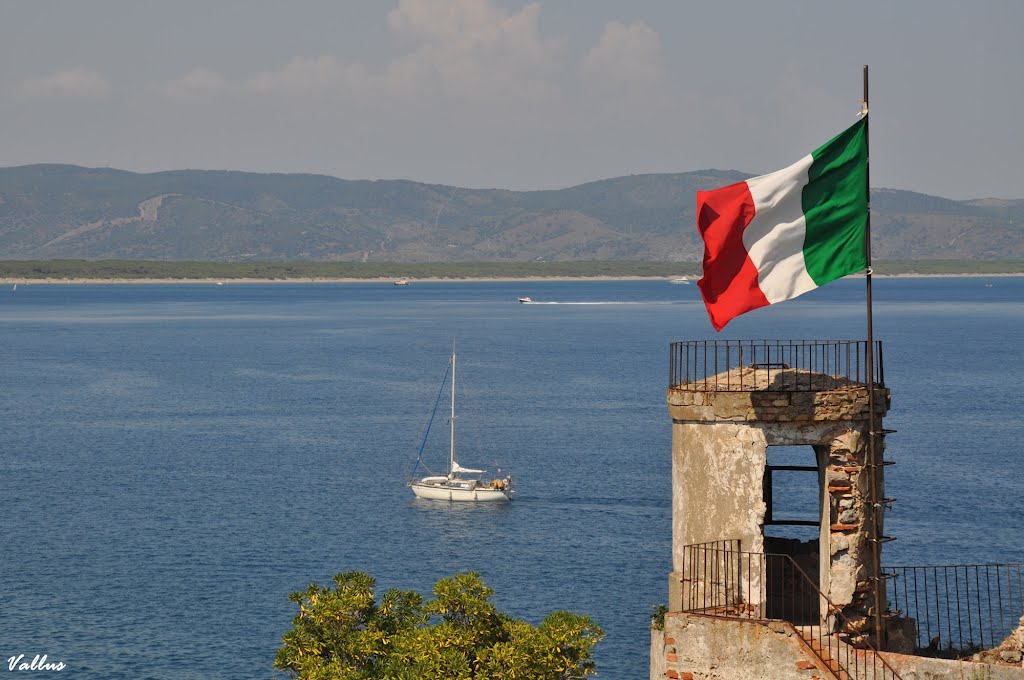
(451, 420)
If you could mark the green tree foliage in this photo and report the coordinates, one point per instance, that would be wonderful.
(345, 633)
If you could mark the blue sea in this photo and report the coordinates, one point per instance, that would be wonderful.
(177, 459)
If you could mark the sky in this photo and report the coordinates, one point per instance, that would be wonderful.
(516, 95)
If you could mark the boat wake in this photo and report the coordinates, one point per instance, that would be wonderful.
(608, 302)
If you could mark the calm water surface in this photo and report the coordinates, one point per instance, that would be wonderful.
(177, 459)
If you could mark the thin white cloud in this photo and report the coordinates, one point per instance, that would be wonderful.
(470, 26)
(197, 82)
(68, 84)
(311, 75)
(625, 54)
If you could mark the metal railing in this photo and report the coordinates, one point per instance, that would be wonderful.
(776, 365)
(959, 609)
(720, 580)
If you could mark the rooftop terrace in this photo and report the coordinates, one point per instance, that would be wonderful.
(772, 365)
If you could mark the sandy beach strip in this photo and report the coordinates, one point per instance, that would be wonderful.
(307, 279)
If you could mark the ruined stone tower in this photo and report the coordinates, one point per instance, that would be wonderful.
(732, 401)
(723, 426)
(748, 602)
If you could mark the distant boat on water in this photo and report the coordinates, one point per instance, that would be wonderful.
(526, 300)
(681, 279)
(401, 282)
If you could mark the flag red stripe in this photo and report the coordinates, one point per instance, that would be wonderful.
(729, 285)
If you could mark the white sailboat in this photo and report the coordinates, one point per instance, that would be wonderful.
(461, 483)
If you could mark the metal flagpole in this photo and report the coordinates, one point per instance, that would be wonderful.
(873, 463)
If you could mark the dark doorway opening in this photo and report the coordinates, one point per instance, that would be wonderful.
(792, 526)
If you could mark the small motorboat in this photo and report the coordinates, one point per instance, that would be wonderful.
(525, 300)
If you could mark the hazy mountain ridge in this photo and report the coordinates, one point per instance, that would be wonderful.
(64, 211)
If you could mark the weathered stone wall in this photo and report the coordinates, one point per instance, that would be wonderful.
(783, 407)
(850, 552)
(702, 648)
(923, 668)
(717, 472)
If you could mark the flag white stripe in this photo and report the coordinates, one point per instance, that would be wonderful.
(774, 239)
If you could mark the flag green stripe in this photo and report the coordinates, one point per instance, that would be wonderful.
(835, 205)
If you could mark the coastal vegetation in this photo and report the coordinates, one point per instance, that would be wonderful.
(197, 270)
(345, 633)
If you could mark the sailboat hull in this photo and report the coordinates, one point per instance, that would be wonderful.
(460, 490)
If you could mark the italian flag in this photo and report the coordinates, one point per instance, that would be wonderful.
(777, 236)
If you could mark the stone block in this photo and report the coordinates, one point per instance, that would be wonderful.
(837, 475)
(850, 516)
(839, 543)
(675, 594)
(729, 404)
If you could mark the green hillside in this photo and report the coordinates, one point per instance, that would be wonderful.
(69, 212)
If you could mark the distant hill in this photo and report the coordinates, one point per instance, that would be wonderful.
(65, 211)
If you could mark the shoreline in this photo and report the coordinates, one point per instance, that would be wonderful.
(498, 279)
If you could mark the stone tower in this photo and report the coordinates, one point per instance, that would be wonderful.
(732, 401)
